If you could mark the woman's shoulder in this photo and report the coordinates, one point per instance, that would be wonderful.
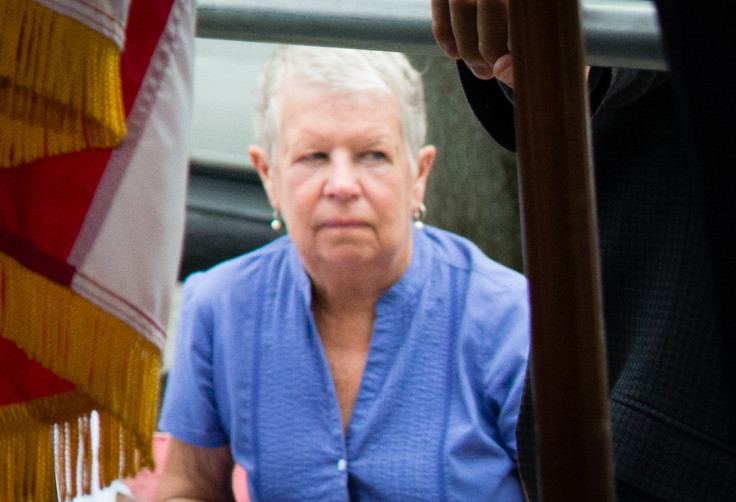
(241, 273)
(460, 253)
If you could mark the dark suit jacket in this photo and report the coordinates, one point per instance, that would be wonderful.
(668, 345)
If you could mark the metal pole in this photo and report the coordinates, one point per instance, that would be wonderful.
(561, 252)
(619, 33)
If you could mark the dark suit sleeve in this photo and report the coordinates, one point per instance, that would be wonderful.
(492, 101)
(491, 106)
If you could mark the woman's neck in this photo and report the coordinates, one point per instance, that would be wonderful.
(346, 299)
(345, 317)
(344, 288)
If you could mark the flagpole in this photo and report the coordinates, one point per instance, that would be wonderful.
(561, 252)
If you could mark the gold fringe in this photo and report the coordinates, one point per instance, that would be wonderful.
(27, 473)
(115, 370)
(60, 89)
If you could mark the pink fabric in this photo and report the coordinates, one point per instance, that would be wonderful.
(143, 486)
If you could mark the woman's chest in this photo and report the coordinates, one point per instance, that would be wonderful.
(287, 420)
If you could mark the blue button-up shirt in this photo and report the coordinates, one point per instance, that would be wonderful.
(437, 407)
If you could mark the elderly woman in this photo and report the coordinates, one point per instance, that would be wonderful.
(363, 356)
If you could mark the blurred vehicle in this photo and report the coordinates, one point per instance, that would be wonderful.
(228, 213)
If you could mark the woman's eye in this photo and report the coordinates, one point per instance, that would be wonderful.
(374, 157)
(314, 158)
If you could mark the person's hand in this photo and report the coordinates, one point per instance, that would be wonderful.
(475, 31)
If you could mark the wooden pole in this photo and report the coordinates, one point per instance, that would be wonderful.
(561, 252)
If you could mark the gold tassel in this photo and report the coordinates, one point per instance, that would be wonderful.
(60, 88)
(27, 472)
(27, 445)
(114, 368)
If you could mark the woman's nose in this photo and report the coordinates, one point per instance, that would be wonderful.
(342, 178)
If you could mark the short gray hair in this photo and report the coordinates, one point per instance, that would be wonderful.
(341, 70)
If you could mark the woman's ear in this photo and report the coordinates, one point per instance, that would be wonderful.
(425, 161)
(260, 159)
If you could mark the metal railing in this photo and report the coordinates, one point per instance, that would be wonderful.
(622, 33)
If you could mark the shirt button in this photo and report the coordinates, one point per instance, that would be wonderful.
(341, 464)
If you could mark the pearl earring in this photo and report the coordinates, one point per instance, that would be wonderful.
(420, 214)
(276, 223)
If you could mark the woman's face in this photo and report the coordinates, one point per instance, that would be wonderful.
(342, 179)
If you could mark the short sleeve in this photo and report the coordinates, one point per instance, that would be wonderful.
(505, 356)
(190, 411)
